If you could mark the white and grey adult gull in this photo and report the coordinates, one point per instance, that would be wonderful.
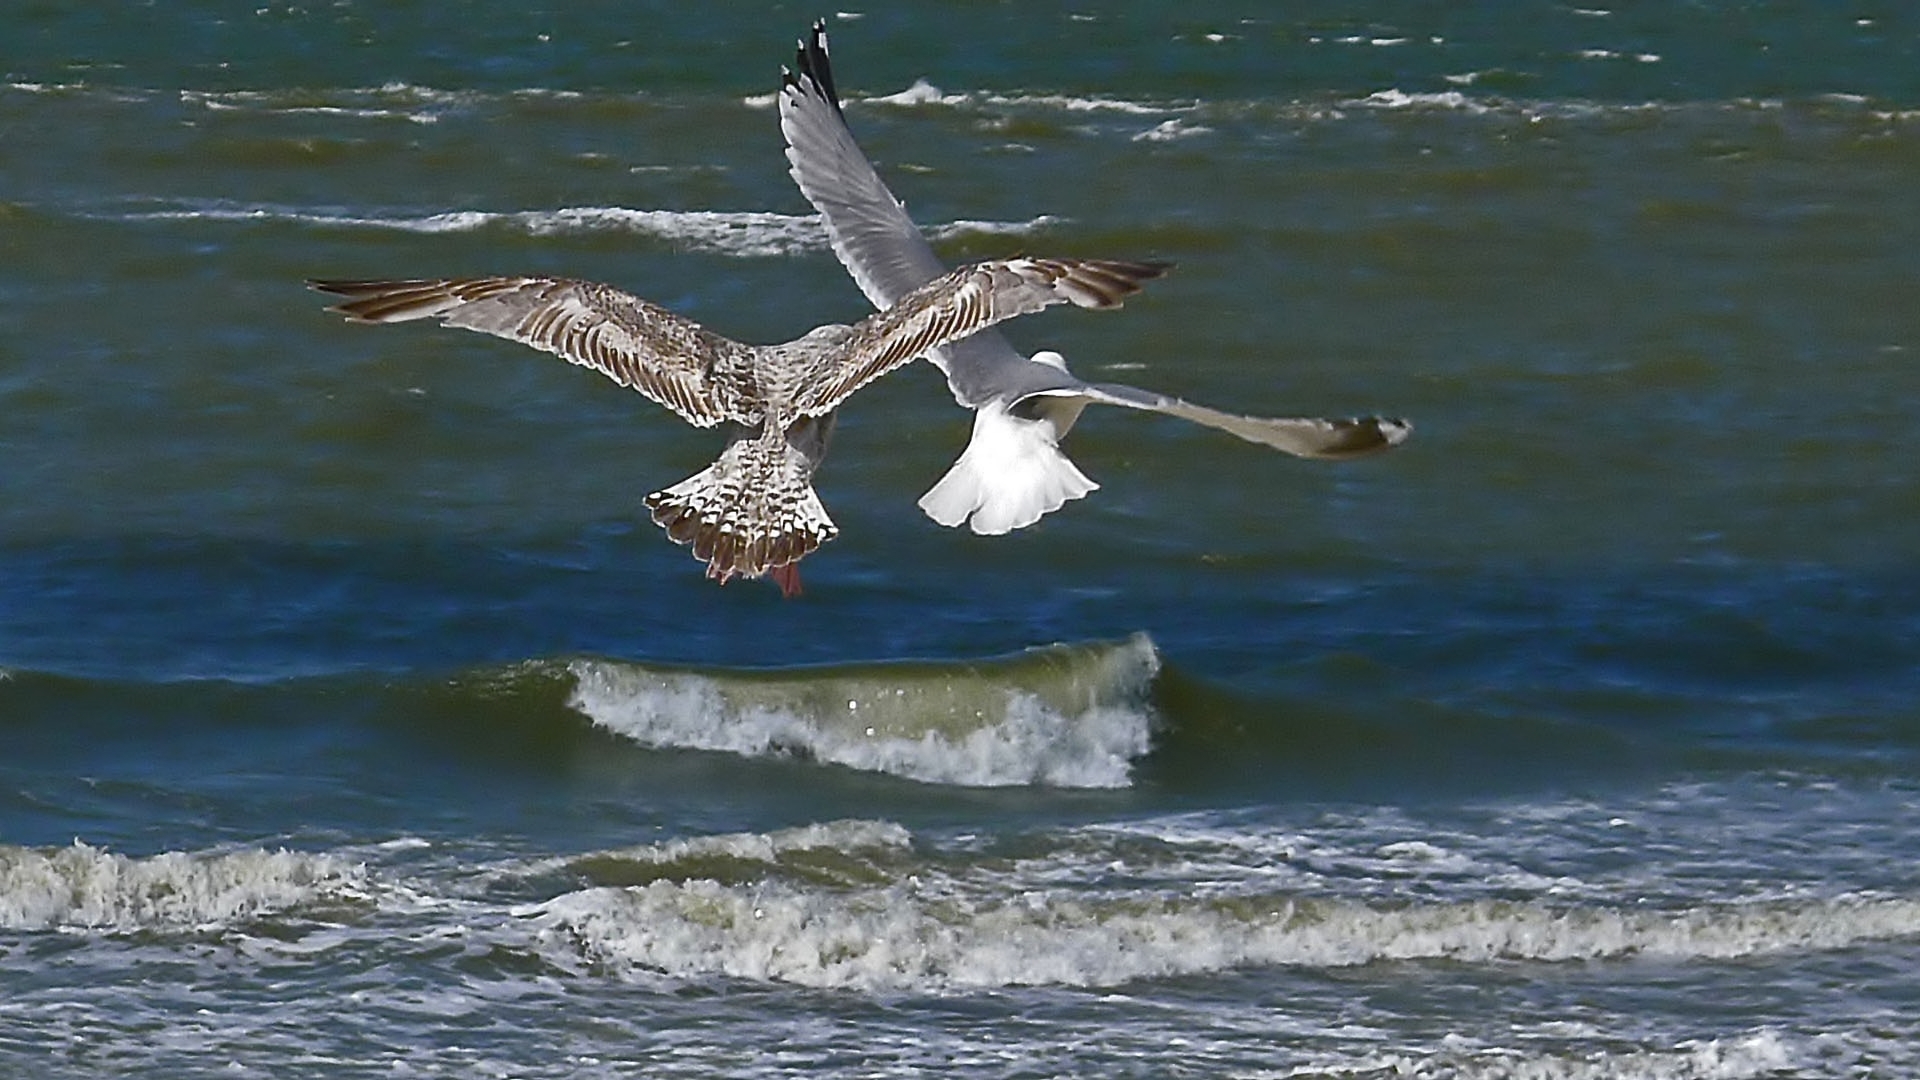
(1012, 471)
(754, 511)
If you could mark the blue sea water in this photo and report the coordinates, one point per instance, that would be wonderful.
(355, 721)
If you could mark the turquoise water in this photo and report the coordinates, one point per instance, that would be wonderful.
(355, 721)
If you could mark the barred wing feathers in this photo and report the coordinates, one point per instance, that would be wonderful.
(957, 304)
(640, 345)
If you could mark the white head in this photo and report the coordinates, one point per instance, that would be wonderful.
(1050, 358)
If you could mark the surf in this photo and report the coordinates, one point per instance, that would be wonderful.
(1074, 716)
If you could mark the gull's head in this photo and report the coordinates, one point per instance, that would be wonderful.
(1050, 358)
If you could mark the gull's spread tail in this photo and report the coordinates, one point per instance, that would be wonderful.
(752, 512)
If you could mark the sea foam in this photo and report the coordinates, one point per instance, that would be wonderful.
(1065, 716)
(84, 887)
(739, 233)
(920, 937)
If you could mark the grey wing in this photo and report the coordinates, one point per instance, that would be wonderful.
(960, 303)
(871, 233)
(640, 345)
(1307, 437)
(870, 230)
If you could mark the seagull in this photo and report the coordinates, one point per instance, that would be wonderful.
(753, 512)
(1012, 471)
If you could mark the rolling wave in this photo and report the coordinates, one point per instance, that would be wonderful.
(1064, 716)
(1081, 715)
(83, 887)
(863, 906)
(745, 234)
(905, 938)
(736, 233)
(1474, 92)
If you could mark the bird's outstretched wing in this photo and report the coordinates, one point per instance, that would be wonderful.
(1307, 437)
(963, 302)
(871, 233)
(869, 229)
(666, 357)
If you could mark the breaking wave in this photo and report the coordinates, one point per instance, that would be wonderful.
(1064, 715)
(739, 233)
(921, 936)
(83, 887)
(864, 906)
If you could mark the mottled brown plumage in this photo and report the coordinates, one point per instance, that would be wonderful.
(754, 509)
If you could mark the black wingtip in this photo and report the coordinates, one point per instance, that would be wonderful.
(811, 61)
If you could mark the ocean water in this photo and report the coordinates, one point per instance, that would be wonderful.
(354, 721)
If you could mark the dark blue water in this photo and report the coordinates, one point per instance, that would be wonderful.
(354, 719)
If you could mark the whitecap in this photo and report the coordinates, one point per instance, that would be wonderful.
(921, 92)
(1073, 103)
(1400, 99)
(739, 233)
(1170, 130)
(85, 887)
(968, 227)
(913, 938)
(1078, 721)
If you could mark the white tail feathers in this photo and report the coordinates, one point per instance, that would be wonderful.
(1011, 474)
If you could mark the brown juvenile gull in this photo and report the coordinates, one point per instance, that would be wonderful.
(753, 511)
(1012, 472)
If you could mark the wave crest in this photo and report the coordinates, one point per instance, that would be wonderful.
(739, 233)
(910, 937)
(84, 887)
(1064, 716)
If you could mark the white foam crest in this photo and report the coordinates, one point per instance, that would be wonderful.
(114, 94)
(970, 227)
(747, 234)
(1024, 742)
(923, 92)
(740, 233)
(899, 939)
(393, 101)
(1171, 130)
(84, 887)
(1066, 716)
(285, 103)
(1073, 103)
(1447, 100)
